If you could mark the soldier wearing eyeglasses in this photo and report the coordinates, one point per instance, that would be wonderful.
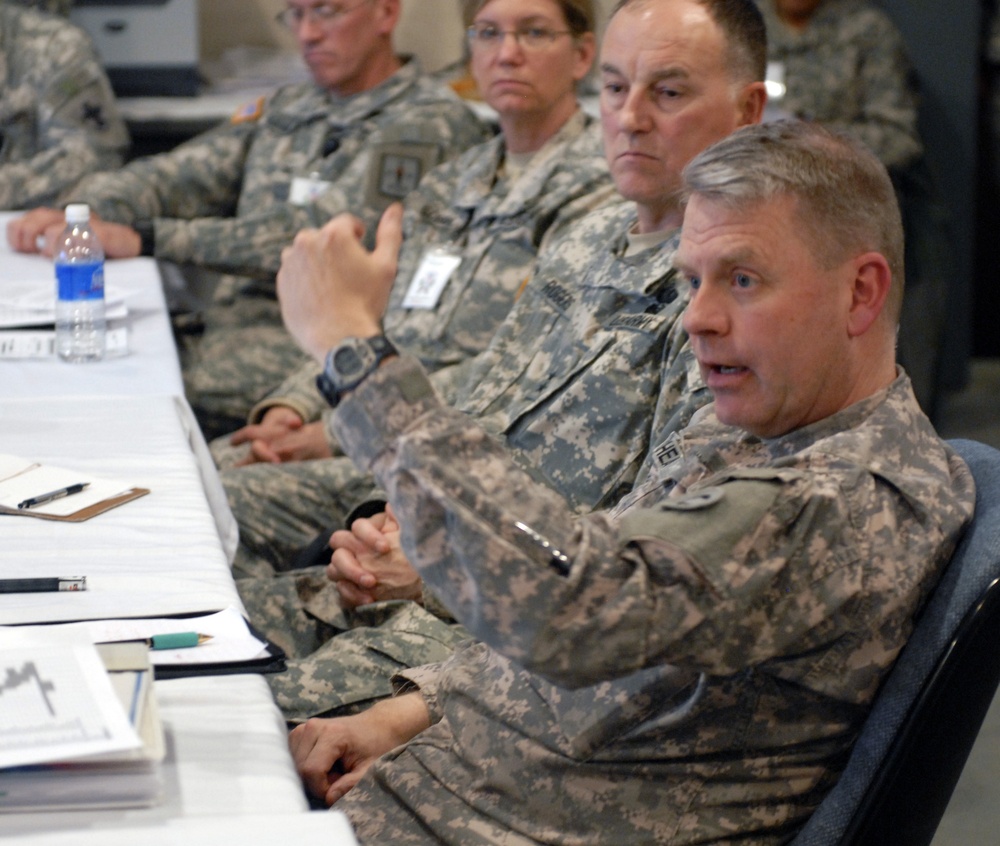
(358, 137)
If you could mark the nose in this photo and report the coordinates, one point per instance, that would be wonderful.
(633, 116)
(705, 313)
(510, 49)
(309, 29)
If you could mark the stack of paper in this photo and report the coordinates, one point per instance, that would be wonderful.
(27, 305)
(30, 310)
(80, 729)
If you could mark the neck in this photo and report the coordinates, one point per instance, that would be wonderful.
(524, 133)
(377, 71)
(657, 219)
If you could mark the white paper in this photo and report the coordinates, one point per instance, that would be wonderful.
(41, 343)
(56, 702)
(38, 479)
(28, 304)
(231, 639)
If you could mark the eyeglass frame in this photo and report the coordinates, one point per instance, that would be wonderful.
(292, 17)
(474, 38)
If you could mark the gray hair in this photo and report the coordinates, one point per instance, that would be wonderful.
(743, 27)
(845, 197)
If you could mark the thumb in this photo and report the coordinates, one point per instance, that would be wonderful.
(389, 236)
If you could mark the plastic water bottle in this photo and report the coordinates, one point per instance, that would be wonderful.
(80, 323)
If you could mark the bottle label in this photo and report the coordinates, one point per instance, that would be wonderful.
(80, 281)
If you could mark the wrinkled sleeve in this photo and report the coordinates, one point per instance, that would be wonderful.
(176, 184)
(582, 599)
(251, 244)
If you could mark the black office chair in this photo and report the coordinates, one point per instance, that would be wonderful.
(926, 716)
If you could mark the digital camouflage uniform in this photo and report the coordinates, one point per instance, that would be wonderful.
(224, 201)
(690, 668)
(498, 229)
(497, 225)
(58, 116)
(570, 384)
(848, 69)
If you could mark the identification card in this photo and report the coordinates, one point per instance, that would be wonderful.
(305, 189)
(431, 277)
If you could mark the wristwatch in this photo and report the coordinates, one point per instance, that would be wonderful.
(349, 363)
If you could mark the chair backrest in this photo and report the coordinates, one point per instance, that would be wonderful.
(914, 744)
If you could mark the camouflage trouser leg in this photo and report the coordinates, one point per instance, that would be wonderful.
(340, 662)
(225, 454)
(280, 508)
(242, 355)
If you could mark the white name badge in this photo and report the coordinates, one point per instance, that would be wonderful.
(305, 189)
(431, 277)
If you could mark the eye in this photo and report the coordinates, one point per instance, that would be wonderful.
(487, 33)
(743, 281)
(536, 34)
(613, 91)
(665, 95)
(694, 282)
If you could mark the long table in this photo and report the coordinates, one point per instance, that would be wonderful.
(163, 554)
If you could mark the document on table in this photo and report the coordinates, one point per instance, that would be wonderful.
(56, 702)
(27, 304)
(22, 480)
(231, 642)
(35, 343)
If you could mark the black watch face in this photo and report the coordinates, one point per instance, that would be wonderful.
(347, 363)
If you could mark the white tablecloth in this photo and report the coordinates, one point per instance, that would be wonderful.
(165, 553)
(159, 554)
(151, 365)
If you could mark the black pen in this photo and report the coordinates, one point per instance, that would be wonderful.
(45, 585)
(41, 499)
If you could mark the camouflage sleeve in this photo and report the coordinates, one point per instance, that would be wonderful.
(200, 177)
(298, 392)
(60, 124)
(887, 99)
(703, 580)
(251, 244)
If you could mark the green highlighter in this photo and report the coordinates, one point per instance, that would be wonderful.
(177, 640)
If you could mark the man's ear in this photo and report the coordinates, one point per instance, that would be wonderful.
(753, 99)
(870, 290)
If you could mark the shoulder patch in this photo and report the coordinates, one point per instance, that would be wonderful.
(396, 169)
(249, 112)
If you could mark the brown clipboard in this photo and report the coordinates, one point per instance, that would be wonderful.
(83, 513)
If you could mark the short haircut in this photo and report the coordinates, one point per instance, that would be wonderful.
(846, 201)
(743, 27)
(579, 14)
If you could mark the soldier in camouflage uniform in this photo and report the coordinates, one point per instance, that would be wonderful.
(692, 667)
(58, 116)
(844, 64)
(358, 138)
(570, 381)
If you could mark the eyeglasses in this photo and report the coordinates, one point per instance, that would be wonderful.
(489, 37)
(322, 15)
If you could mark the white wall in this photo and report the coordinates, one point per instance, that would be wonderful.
(431, 29)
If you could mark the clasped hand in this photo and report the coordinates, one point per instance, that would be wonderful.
(368, 564)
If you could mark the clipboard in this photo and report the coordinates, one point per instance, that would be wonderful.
(21, 479)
